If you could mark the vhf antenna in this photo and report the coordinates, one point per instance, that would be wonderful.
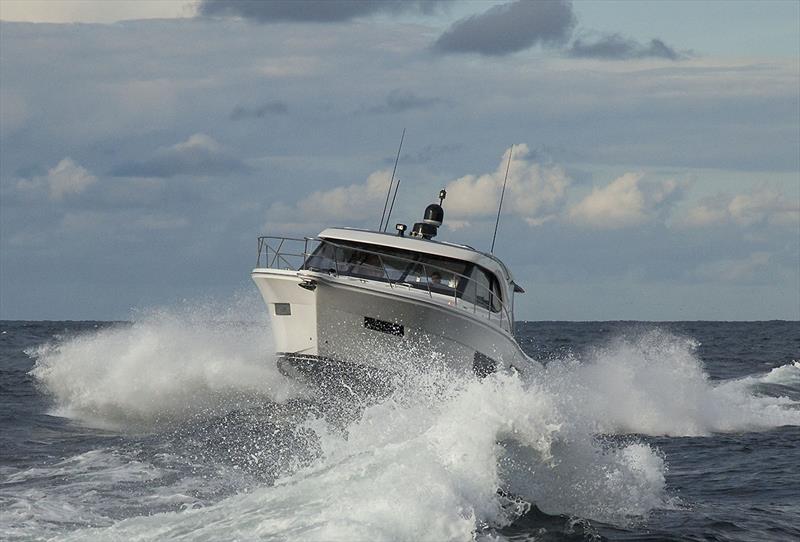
(396, 188)
(391, 181)
(502, 194)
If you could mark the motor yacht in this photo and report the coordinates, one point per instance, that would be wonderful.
(354, 300)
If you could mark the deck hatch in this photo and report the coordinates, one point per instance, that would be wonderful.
(383, 326)
(283, 309)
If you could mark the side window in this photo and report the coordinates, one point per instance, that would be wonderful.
(484, 290)
(497, 296)
(478, 289)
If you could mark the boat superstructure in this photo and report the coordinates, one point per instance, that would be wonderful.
(359, 297)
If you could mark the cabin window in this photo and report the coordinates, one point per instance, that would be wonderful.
(424, 271)
(323, 259)
(484, 290)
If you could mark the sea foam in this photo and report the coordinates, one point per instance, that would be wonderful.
(166, 366)
(432, 460)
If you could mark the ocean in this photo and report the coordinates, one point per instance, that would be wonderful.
(177, 426)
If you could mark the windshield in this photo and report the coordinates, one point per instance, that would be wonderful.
(425, 271)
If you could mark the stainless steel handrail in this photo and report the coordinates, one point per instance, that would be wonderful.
(281, 256)
(273, 255)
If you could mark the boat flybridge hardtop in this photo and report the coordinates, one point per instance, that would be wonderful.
(353, 299)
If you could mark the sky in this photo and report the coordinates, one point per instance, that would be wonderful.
(655, 166)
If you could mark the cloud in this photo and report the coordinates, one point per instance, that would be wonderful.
(273, 107)
(617, 47)
(400, 101)
(315, 11)
(64, 179)
(509, 28)
(765, 204)
(624, 202)
(534, 192)
(353, 203)
(198, 155)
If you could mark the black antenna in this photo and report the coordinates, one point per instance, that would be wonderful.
(502, 194)
(391, 181)
(396, 188)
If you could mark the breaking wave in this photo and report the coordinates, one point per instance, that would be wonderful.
(165, 366)
(443, 458)
(655, 384)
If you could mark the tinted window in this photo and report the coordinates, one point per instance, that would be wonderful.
(425, 271)
(484, 290)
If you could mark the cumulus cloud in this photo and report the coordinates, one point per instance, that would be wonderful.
(273, 107)
(64, 179)
(351, 204)
(617, 47)
(316, 11)
(534, 192)
(625, 201)
(198, 155)
(400, 101)
(765, 204)
(509, 28)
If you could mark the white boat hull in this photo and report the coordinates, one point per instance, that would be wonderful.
(377, 324)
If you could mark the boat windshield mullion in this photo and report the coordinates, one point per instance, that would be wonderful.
(411, 263)
(336, 259)
(475, 305)
(385, 272)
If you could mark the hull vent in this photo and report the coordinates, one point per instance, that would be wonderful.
(383, 326)
(483, 365)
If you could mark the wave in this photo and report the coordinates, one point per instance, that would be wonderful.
(654, 383)
(164, 367)
(433, 460)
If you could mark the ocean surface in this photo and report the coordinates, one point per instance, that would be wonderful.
(177, 426)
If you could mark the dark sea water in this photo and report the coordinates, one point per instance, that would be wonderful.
(178, 427)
